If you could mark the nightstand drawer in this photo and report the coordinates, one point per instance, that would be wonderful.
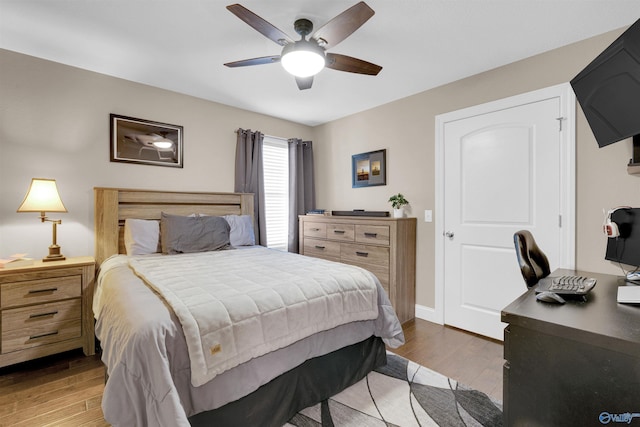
(366, 254)
(376, 234)
(42, 314)
(343, 232)
(40, 291)
(322, 249)
(315, 229)
(21, 339)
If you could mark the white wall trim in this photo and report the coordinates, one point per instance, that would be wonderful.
(567, 178)
(427, 313)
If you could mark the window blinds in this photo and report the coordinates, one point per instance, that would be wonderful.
(276, 188)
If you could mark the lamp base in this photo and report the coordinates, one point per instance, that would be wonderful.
(54, 254)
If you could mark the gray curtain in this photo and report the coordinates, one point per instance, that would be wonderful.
(302, 190)
(250, 177)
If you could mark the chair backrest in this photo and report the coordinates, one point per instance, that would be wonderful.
(534, 264)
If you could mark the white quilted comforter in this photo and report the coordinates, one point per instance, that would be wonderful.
(239, 304)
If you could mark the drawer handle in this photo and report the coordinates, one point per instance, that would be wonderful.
(51, 313)
(370, 234)
(39, 291)
(46, 334)
(319, 247)
(364, 254)
(339, 231)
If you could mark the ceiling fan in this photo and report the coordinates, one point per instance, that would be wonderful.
(305, 58)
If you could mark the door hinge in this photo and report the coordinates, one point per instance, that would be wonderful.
(560, 119)
(560, 221)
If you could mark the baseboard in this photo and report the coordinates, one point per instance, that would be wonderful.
(427, 313)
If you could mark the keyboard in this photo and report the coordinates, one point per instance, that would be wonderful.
(566, 285)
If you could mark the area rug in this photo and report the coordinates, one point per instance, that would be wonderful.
(405, 394)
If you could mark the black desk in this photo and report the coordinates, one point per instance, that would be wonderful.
(568, 364)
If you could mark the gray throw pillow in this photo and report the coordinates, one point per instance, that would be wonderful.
(188, 234)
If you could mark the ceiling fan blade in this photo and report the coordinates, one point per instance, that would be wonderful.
(254, 61)
(343, 25)
(259, 24)
(304, 82)
(351, 65)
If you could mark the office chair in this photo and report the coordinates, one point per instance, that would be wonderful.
(534, 264)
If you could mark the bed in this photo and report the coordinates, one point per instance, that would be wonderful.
(154, 377)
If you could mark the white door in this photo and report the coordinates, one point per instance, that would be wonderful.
(503, 172)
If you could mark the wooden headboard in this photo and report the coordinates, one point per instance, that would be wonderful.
(113, 205)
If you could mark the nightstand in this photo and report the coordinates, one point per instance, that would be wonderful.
(45, 308)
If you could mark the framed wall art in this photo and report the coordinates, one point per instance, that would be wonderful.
(369, 169)
(145, 142)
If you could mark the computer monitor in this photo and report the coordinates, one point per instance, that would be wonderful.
(625, 249)
(608, 89)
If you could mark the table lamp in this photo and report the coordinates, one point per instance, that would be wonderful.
(42, 197)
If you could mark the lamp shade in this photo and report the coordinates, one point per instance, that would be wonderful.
(42, 197)
(303, 59)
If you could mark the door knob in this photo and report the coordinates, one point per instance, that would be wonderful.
(449, 234)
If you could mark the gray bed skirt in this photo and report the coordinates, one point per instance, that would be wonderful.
(315, 380)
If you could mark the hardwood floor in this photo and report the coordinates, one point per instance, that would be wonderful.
(60, 390)
(471, 359)
(66, 389)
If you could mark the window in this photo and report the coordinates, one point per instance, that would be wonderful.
(276, 191)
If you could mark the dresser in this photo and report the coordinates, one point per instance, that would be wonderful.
(575, 364)
(45, 308)
(384, 246)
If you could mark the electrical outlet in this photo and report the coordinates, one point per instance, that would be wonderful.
(428, 215)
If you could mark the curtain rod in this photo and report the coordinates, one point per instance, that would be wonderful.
(269, 136)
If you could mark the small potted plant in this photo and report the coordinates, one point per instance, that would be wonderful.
(397, 203)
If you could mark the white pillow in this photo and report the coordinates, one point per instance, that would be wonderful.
(241, 230)
(141, 236)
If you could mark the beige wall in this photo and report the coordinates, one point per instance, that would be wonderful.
(54, 123)
(406, 128)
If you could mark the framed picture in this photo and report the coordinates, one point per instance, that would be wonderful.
(145, 142)
(369, 169)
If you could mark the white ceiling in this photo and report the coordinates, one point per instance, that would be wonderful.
(181, 45)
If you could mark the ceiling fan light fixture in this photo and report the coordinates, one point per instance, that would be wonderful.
(303, 59)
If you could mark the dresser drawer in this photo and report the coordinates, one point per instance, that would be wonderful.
(376, 234)
(342, 232)
(322, 249)
(48, 333)
(377, 255)
(315, 229)
(39, 291)
(384, 246)
(380, 271)
(41, 314)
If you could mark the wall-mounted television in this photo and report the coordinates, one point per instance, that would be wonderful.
(625, 249)
(608, 89)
